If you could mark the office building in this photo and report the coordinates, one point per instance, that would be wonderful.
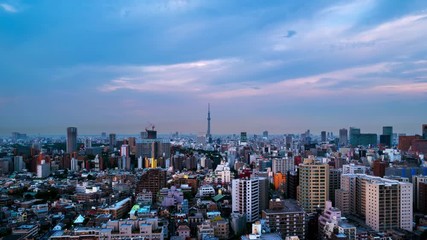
(112, 141)
(153, 147)
(343, 140)
(265, 134)
(243, 138)
(245, 198)
(71, 139)
(354, 132)
(313, 189)
(323, 136)
(424, 131)
(18, 163)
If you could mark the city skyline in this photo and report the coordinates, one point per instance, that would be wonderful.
(280, 66)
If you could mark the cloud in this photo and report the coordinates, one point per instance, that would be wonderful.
(8, 8)
(369, 79)
(181, 77)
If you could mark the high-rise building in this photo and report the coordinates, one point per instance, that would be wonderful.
(334, 183)
(243, 138)
(343, 137)
(417, 180)
(424, 131)
(18, 163)
(389, 205)
(152, 180)
(323, 136)
(285, 217)
(71, 139)
(384, 203)
(388, 130)
(245, 198)
(292, 182)
(354, 132)
(208, 132)
(422, 198)
(313, 189)
(264, 187)
(386, 139)
(265, 134)
(112, 142)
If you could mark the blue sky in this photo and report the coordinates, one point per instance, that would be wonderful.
(281, 66)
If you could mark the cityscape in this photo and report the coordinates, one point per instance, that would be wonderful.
(352, 185)
(213, 120)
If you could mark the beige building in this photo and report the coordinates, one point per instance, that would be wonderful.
(313, 189)
(389, 205)
(221, 229)
(384, 203)
(205, 229)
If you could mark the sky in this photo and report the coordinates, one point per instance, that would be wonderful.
(282, 66)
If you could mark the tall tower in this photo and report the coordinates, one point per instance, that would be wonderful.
(208, 133)
(71, 139)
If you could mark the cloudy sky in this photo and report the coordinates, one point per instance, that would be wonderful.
(281, 66)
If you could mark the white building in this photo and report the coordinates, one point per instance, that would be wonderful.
(353, 169)
(283, 165)
(206, 190)
(74, 164)
(223, 173)
(43, 169)
(245, 198)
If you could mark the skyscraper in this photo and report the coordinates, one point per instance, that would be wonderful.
(343, 137)
(313, 189)
(424, 128)
(245, 198)
(323, 136)
(389, 205)
(112, 141)
(354, 133)
(71, 139)
(208, 132)
(386, 138)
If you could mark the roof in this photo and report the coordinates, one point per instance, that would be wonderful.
(218, 197)
(79, 219)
